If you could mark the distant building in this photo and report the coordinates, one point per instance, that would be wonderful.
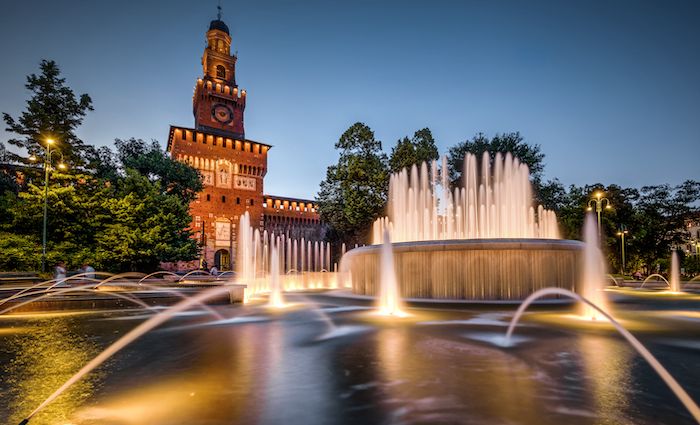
(692, 245)
(233, 167)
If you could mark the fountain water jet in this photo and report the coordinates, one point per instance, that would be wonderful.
(593, 280)
(389, 302)
(62, 291)
(682, 395)
(495, 201)
(657, 276)
(276, 299)
(675, 273)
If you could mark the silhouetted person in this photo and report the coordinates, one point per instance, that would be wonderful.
(88, 271)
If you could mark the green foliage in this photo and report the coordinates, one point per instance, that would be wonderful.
(654, 218)
(147, 226)
(407, 152)
(506, 142)
(691, 264)
(53, 111)
(129, 222)
(19, 252)
(120, 211)
(354, 191)
(662, 212)
(150, 160)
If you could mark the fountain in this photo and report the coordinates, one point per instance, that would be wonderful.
(300, 264)
(668, 379)
(675, 273)
(276, 299)
(483, 241)
(593, 279)
(389, 301)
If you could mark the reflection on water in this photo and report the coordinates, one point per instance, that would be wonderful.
(606, 369)
(35, 363)
(278, 371)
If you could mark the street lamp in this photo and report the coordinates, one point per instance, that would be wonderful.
(47, 169)
(598, 202)
(621, 233)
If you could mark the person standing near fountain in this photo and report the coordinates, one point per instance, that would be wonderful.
(60, 270)
(88, 270)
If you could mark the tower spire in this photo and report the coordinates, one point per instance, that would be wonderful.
(218, 13)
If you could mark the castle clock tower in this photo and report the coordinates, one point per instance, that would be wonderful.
(232, 167)
(218, 105)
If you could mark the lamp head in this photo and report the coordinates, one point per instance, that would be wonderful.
(32, 157)
(62, 166)
(50, 141)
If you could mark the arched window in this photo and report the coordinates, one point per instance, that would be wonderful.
(220, 71)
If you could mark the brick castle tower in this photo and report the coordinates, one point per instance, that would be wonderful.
(233, 168)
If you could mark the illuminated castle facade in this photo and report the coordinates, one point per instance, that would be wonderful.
(233, 167)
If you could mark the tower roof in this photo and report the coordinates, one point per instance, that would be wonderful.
(218, 24)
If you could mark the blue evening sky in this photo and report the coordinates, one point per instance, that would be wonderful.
(609, 89)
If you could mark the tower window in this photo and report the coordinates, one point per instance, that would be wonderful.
(223, 198)
(220, 71)
(238, 201)
(208, 197)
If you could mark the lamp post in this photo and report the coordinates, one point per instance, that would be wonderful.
(47, 169)
(598, 202)
(621, 233)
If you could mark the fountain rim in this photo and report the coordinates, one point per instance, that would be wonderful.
(473, 244)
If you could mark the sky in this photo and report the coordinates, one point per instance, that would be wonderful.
(610, 90)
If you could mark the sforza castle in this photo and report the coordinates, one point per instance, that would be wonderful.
(233, 167)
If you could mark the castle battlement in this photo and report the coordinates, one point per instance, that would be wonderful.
(224, 89)
(214, 140)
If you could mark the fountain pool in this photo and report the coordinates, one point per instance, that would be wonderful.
(284, 368)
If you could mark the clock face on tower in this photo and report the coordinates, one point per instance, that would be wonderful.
(222, 113)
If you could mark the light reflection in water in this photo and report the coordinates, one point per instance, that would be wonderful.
(277, 372)
(214, 381)
(606, 368)
(43, 360)
(472, 383)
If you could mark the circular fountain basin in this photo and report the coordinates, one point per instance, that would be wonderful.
(469, 269)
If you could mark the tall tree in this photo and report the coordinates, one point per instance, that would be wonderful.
(506, 142)
(354, 191)
(407, 152)
(150, 160)
(662, 213)
(53, 111)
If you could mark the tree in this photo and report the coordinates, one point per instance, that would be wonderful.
(148, 226)
(53, 111)
(506, 142)
(150, 160)
(128, 219)
(662, 213)
(354, 191)
(407, 152)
